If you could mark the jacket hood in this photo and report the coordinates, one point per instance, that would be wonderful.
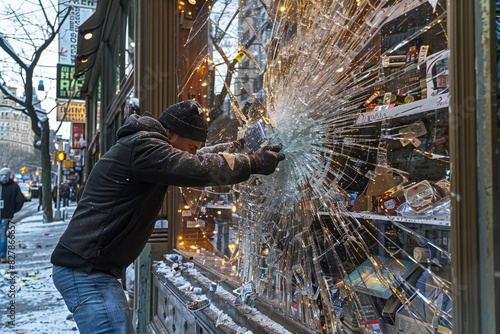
(135, 123)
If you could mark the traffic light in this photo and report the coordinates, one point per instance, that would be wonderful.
(60, 156)
(37, 173)
(24, 170)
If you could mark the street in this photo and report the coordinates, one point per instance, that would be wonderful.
(30, 303)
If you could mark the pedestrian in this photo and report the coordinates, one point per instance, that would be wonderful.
(11, 201)
(65, 193)
(123, 195)
(40, 197)
(55, 191)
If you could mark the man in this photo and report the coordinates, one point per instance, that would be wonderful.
(123, 195)
(11, 201)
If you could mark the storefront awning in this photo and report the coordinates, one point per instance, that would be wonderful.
(93, 33)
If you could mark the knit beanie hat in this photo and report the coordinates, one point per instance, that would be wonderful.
(186, 119)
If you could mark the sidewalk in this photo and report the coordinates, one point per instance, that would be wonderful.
(29, 302)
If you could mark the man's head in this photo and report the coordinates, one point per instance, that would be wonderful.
(4, 175)
(186, 125)
(186, 119)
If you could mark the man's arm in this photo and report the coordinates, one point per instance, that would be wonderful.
(230, 147)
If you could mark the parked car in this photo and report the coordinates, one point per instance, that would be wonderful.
(26, 190)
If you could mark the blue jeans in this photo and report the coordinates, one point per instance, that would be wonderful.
(97, 301)
(4, 223)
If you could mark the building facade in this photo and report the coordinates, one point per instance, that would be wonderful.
(394, 94)
(16, 137)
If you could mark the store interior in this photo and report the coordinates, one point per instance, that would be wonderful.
(352, 233)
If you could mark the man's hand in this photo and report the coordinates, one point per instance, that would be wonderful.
(266, 159)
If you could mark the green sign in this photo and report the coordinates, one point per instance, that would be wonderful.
(67, 87)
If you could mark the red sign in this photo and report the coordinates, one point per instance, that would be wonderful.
(77, 135)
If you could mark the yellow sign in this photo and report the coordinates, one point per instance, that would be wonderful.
(75, 112)
(240, 56)
(68, 164)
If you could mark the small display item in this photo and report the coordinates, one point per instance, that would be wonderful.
(409, 99)
(412, 132)
(412, 55)
(437, 73)
(421, 195)
(298, 273)
(371, 98)
(389, 204)
(198, 305)
(421, 254)
(422, 55)
(378, 282)
(387, 98)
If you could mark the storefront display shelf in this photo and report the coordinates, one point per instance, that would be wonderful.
(413, 108)
(430, 220)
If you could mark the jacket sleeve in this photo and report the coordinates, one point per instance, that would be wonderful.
(19, 199)
(231, 147)
(156, 161)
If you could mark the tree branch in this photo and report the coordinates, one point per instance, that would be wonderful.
(5, 45)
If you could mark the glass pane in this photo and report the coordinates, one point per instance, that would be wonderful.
(352, 232)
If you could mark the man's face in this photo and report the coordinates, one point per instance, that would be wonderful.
(183, 143)
(4, 176)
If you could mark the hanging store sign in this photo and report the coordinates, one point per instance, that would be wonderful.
(67, 87)
(71, 112)
(77, 135)
(81, 10)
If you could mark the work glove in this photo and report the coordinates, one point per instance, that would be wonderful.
(266, 159)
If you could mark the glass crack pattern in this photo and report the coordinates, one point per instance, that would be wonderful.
(351, 233)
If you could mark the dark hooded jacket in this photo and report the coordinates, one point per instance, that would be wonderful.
(13, 199)
(124, 192)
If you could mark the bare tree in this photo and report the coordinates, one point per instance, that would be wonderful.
(26, 57)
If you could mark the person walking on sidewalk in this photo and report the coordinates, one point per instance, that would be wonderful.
(65, 192)
(121, 201)
(11, 201)
(40, 197)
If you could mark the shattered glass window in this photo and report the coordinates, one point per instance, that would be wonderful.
(351, 233)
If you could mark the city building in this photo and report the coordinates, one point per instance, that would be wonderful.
(16, 138)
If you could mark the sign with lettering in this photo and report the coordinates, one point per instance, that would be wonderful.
(71, 112)
(81, 10)
(67, 87)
